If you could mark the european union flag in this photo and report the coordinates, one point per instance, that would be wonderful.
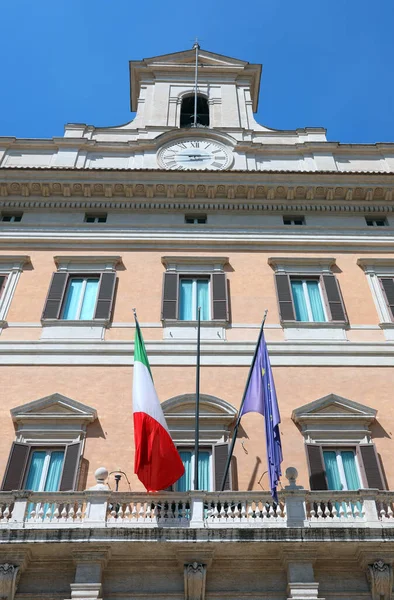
(261, 397)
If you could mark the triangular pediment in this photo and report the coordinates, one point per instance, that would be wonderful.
(189, 56)
(56, 406)
(333, 406)
(180, 66)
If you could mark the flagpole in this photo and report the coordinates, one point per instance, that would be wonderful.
(235, 432)
(197, 417)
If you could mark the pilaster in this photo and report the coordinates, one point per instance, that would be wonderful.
(89, 566)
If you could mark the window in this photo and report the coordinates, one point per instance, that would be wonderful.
(380, 277)
(39, 469)
(186, 482)
(342, 469)
(10, 271)
(47, 455)
(95, 218)
(11, 217)
(338, 442)
(216, 418)
(376, 222)
(293, 220)
(3, 279)
(192, 282)
(307, 300)
(44, 470)
(387, 285)
(187, 111)
(80, 298)
(308, 291)
(194, 293)
(195, 219)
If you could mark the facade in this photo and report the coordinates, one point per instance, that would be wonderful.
(163, 216)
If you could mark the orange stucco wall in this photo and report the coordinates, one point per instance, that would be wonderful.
(108, 389)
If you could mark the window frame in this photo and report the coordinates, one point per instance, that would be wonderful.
(96, 218)
(209, 449)
(85, 277)
(287, 268)
(11, 268)
(80, 266)
(195, 267)
(373, 221)
(48, 450)
(292, 219)
(375, 270)
(197, 219)
(14, 217)
(190, 95)
(323, 297)
(345, 448)
(194, 307)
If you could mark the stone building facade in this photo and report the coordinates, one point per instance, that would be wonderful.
(160, 215)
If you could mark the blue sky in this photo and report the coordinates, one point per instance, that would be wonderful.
(325, 62)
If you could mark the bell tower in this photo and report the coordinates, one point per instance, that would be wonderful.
(162, 91)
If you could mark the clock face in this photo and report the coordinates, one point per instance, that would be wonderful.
(194, 154)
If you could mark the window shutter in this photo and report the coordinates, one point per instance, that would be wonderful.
(170, 296)
(388, 287)
(55, 295)
(371, 466)
(3, 279)
(70, 467)
(219, 297)
(105, 296)
(13, 478)
(317, 474)
(285, 298)
(334, 298)
(220, 454)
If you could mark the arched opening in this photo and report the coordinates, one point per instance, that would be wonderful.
(216, 418)
(187, 111)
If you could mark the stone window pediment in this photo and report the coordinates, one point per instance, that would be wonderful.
(52, 418)
(216, 417)
(333, 419)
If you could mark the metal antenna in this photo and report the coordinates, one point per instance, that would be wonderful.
(196, 47)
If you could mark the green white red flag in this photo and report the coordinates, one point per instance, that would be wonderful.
(157, 462)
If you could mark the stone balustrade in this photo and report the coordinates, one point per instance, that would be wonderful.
(103, 508)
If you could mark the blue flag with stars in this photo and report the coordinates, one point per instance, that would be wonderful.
(261, 397)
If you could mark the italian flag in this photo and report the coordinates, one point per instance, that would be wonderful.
(157, 462)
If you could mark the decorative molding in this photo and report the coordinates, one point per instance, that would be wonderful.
(194, 260)
(183, 352)
(380, 577)
(301, 263)
(8, 581)
(52, 417)
(87, 263)
(333, 419)
(12, 266)
(195, 580)
(216, 416)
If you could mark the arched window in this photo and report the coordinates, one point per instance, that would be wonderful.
(216, 417)
(187, 111)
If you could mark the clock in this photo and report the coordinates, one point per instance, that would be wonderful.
(198, 153)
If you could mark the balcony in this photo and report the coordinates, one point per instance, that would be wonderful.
(101, 508)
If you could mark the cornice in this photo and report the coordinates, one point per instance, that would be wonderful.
(273, 191)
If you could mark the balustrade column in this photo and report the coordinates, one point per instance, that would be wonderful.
(197, 509)
(97, 496)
